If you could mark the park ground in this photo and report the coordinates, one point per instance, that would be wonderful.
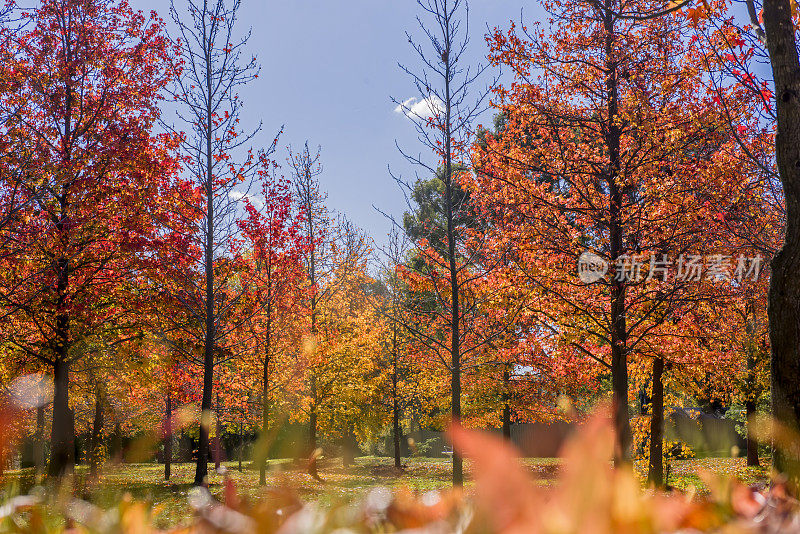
(168, 499)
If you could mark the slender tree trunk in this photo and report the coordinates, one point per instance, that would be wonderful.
(455, 384)
(312, 420)
(96, 440)
(619, 333)
(348, 449)
(619, 378)
(655, 473)
(396, 435)
(395, 402)
(62, 436)
(455, 312)
(752, 440)
(218, 437)
(262, 477)
(506, 405)
(784, 293)
(168, 437)
(752, 388)
(312, 443)
(241, 445)
(312, 431)
(201, 473)
(39, 452)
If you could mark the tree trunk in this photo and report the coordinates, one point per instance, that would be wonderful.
(784, 293)
(209, 345)
(506, 405)
(201, 472)
(241, 445)
(655, 473)
(348, 449)
(218, 437)
(62, 434)
(619, 333)
(395, 402)
(168, 437)
(752, 440)
(312, 420)
(262, 477)
(312, 444)
(396, 435)
(455, 312)
(97, 440)
(455, 382)
(39, 452)
(619, 369)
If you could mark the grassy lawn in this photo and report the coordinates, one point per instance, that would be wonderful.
(145, 481)
(686, 473)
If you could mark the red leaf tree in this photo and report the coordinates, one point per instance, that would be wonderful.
(274, 247)
(90, 76)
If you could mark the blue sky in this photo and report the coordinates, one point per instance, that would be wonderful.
(329, 70)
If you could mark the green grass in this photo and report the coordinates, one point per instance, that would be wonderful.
(145, 481)
(686, 473)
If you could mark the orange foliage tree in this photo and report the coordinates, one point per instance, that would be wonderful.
(608, 144)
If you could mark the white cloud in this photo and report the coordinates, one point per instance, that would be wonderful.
(420, 108)
(255, 200)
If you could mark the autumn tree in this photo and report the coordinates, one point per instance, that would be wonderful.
(91, 74)
(272, 239)
(610, 145)
(776, 27)
(741, 325)
(334, 262)
(738, 50)
(207, 280)
(442, 116)
(730, 54)
(317, 233)
(400, 386)
(346, 357)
